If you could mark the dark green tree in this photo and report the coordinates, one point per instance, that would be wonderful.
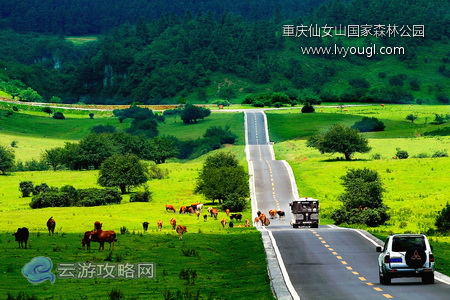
(369, 124)
(192, 113)
(54, 157)
(95, 149)
(221, 177)
(162, 148)
(26, 188)
(122, 171)
(443, 219)
(411, 117)
(339, 139)
(6, 159)
(223, 134)
(362, 199)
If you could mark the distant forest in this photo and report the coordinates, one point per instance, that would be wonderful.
(161, 51)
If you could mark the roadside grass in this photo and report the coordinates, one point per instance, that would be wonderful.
(292, 124)
(230, 261)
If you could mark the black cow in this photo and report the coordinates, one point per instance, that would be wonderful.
(237, 217)
(145, 225)
(281, 214)
(22, 235)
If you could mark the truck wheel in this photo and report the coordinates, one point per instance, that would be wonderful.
(315, 225)
(295, 225)
(428, 278)
(386, 279)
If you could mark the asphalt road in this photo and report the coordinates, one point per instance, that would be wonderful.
(327, 262)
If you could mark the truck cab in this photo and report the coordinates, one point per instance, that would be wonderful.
(305, 212)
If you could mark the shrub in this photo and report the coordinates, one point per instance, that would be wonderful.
(15, 108)
(440, 153)
(155, 172)
(224, 135)
(144, 196)
(31, 165)
(234, 203)
(26, 187)
(170, 112)
(421, 155)
(369, 124)
(258, 104)
(94, 197)
(307, 108)
(249, 99)
(58, 115)
(41, 188)
(50, 199)
(47, 110)
(401, 154)
(443, 219)
(376, 156)
(91, 115)
(411, 117)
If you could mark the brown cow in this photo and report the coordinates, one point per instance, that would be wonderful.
(170, 207)
(227, 211)
(98, 225)
(51, 224)
(205, 217)
(182, 209)
(102, 236)
(215, 212)
(86, 240)
(262, 218)
(256, 221)
(210, 209)
(159, 225)
(258, 213)
(22, 235)
(223, 222)
(266, 222)
(173, 222)
(180, 230)
(197, 214)
(247, 223)
(273, 213)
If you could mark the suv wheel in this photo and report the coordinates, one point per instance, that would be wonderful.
(385, 279)
(415, 257)
(428, 278)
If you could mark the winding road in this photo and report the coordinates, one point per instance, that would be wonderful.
(324, 263)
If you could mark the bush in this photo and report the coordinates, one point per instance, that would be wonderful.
(401, 154)
(421, 155)
(249, 99)
(376, 156)
(95, 197)
(41, 188)
(145, 196)
(224, 135)
(31, 165)
(155, 172)
(170, 112)
(91, 115)
(258, 104)
(440, 153)
(307, 108)
(58, 115)
(369, 124)
(234, 204)
(50, 199)
(443, 219)
(15, 108)
(26, 187)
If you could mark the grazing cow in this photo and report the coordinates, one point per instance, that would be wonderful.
(205, 217)
(102, 236)
(98, 225)
(210, 209)
(86, 240)
(256, 221)
(197, 214)
(272, 213)
(227, 211)
(258, 213)
(266, 222)
(189, 210)
(173, 222)
(51, 224)
(145, 225)
(170, 207)
(231, 225)
(159, 225)
(262, 218)
(22, 235)
(281, 215)
(238, 217)
(182, 209)
(199, 207)
(180, 230)
(247, 223)
(223, 222)
(215, 212)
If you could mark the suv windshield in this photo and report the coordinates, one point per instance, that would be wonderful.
(403, 243)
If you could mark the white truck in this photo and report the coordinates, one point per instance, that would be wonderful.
(305, 212)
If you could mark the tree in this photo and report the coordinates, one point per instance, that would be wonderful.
(224, 134)
(54, 157)
(6, 159)
(162, 148)
(369, 124)
(341, 139)
(29, 95)
(123, 171)
(95, 149)
(362, 199)
(308, 98)
(26, 187)
(59, 115)
(192, 113)
(221, 177)
(411, 117)
(47, 110)
(443, 219)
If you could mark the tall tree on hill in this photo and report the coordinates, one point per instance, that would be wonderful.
(6, 159)
(192, 113)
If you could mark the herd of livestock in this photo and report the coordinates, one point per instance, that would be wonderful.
(109, 236)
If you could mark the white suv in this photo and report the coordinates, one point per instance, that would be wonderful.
(406, 255)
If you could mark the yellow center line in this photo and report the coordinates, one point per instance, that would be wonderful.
(320, 238)
(317, 234)
(335, 253)
(349, 268)
(362, 279)
(323, 242)
(338, 257)
(369, 283)
(377, 289)
(388, 296)
(343, 262)
(331, 249)
(355, 273)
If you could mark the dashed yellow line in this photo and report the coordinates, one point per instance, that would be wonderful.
(338, 257)
(377, 289)
(343, 262)
(369, 283)
(335, 253)
(362, 279)
(388, 296)
(349, 268)
(355, 273)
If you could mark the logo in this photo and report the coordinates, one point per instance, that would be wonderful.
(38, 270)
(416, 256)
